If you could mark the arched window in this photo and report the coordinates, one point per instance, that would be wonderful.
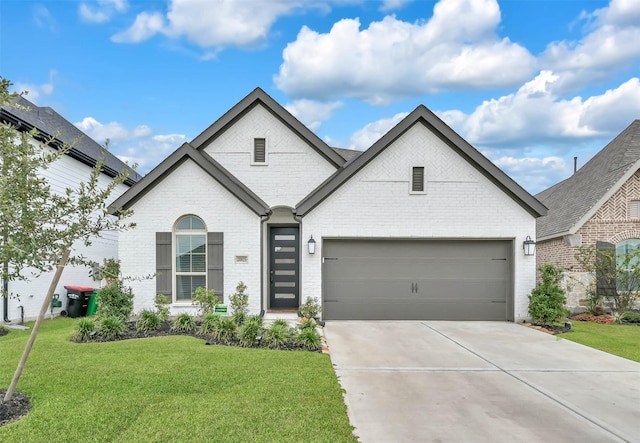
(190, 257)
(627, 261)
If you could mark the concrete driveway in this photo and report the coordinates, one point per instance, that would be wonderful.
(430, 381)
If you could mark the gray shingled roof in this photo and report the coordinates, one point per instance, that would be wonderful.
(347, 154)
(49, 123)
(572, 201)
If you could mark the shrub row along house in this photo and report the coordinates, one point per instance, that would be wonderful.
(25, 297)
(419, 226)
(598, 206)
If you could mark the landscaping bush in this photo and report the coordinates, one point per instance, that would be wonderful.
(278, 335)
(209, 324)
(84, 328)
(239, 318)
(114, 300)
(630, 317)
(604, 319)
(249, 332)
(225, 330)
(148, 322)
(184, 323)
(240, 300)
(547, 300)
(161, 303)
(311, 308)
(309, 339)
(206, 300)
(111, 326)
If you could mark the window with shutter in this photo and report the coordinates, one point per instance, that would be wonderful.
(259, 150)
(417, 180)
(634, 209)
(190, 257)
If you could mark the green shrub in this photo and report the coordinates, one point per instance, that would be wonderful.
(311, 308)
(114, 300)
(239, 318)
(206, 300)
(240, 300)
(148, 322)
(209, 324)
(309, 339)
(278, 335)
(547, 300)
(84, 328)
(225, 330)
(111, 327)
(184, 323)
(309, 324)
(630, 317)
(161, 303)
(280, 322)
(249, 332)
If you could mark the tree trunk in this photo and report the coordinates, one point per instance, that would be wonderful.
(36, 327)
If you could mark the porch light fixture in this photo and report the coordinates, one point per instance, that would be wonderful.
(529, 246)
(312, 245)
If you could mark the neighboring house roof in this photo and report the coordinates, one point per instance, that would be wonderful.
(421, 115)
(575, 200)
(208, 164)
(51, 124)
(256, 97)
(347, 154)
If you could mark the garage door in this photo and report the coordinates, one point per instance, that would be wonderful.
(417, 280)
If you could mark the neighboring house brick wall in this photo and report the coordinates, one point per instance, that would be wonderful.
(611, 223)
(459, 203)
(190, 190)
(293, 168)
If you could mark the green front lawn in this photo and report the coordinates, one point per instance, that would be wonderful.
(170, 389)
(622, 340)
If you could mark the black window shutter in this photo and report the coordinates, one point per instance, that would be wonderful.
(417, 179)
(605, 269)
(215, 263)
(259, 150)
(164, 264)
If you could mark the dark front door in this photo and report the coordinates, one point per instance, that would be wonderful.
(284, 267)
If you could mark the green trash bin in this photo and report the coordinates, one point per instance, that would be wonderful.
(92, 307)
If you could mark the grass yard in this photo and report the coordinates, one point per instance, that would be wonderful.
(170, 389)
(621, 340)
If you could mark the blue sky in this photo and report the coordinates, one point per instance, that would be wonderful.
(529, 83)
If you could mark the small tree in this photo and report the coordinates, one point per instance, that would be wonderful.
(38, 226)
(206, 300)
(617, 275)
(240, 300)
(547, 300)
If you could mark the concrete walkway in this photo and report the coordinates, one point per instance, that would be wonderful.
(429, 381)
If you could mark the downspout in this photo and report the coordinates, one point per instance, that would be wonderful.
(5, 293)
(263, 220)
(299, 220)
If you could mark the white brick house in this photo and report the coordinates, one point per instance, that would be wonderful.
(419, 226)
(26, 297)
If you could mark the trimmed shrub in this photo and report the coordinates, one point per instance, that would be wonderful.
(225, 330)
(308, 339)
(547, 300)
(209, 324)
(248, 333)
(184, 323)
(111, 327)
(630, 317)
(148, 322)
(278, 335)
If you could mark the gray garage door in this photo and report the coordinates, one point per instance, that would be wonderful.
(417, 280)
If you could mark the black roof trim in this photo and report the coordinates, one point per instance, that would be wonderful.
(208, 164)
(424, 116)
(58, 131)
(258, 96)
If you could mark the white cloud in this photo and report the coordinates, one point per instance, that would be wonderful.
(363, 138)
(392, 58)
(113, 131)
(313, 113)
(535, 173)
(43, 18)
(610, 43)
(103, 11)
(211, 23)
(35, 91)
(388, 5)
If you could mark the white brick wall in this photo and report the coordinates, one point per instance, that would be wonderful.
(190, 190)
(293, 168)
(460, 203)
(66, 172)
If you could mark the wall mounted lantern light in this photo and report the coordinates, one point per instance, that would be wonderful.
(312, 245)
(529, 246)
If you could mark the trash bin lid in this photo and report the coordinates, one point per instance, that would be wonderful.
(79, 288)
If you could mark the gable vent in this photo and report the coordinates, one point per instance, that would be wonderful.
(417, 179)
(259, 150)
(634, 209)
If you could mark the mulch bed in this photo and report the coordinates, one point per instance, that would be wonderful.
(552, 329)
(14, 409)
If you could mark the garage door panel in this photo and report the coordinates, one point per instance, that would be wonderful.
(416, 279)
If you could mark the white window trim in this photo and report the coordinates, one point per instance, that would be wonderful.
(424, 180)
(174, 250)
(266, 151)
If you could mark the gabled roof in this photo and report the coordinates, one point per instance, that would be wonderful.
(575, 200)
(208, 164)
(347, 154)
(421, 115)
(257, 97)
(49, 124)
